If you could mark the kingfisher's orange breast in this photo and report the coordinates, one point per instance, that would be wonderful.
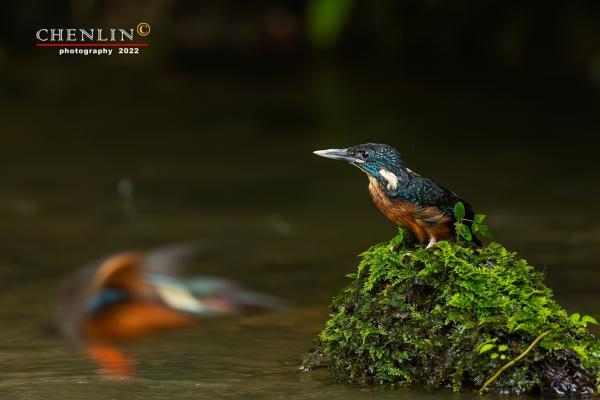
(424, 222)
(400, 212)
(135, 320)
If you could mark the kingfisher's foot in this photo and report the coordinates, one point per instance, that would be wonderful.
(432, 242)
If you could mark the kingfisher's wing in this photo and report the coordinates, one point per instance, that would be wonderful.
(172, 259)
(206, 296)
(437, 203)
(428, 194)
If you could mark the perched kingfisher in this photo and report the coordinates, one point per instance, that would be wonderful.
(403, 196)
(132, 294)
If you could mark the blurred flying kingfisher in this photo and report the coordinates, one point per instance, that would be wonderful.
(133, 294)
(403, 196)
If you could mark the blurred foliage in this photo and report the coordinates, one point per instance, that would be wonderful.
(326, 19)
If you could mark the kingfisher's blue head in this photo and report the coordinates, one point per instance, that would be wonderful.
(382, 162)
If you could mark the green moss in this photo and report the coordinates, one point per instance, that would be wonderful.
(451, 317)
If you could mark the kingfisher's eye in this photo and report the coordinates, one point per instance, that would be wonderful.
(364, 155)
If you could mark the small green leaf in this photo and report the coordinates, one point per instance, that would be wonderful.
(486, 347)
(587, 319)
(574, 318)
(502, 347)
(464, 232)
(479, 218)
(494, 356)
(485, 231)
(400, 235)
(503, 357)
(459, 211)
(475, 228)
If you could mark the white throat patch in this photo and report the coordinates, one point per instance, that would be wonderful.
(390, 177)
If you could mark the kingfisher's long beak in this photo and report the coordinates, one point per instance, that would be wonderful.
(338, 154)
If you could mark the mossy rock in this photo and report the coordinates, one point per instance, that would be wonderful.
(452, 316)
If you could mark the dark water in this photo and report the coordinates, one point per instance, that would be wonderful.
(229, 162)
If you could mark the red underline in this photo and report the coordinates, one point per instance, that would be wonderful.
(92, 44)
